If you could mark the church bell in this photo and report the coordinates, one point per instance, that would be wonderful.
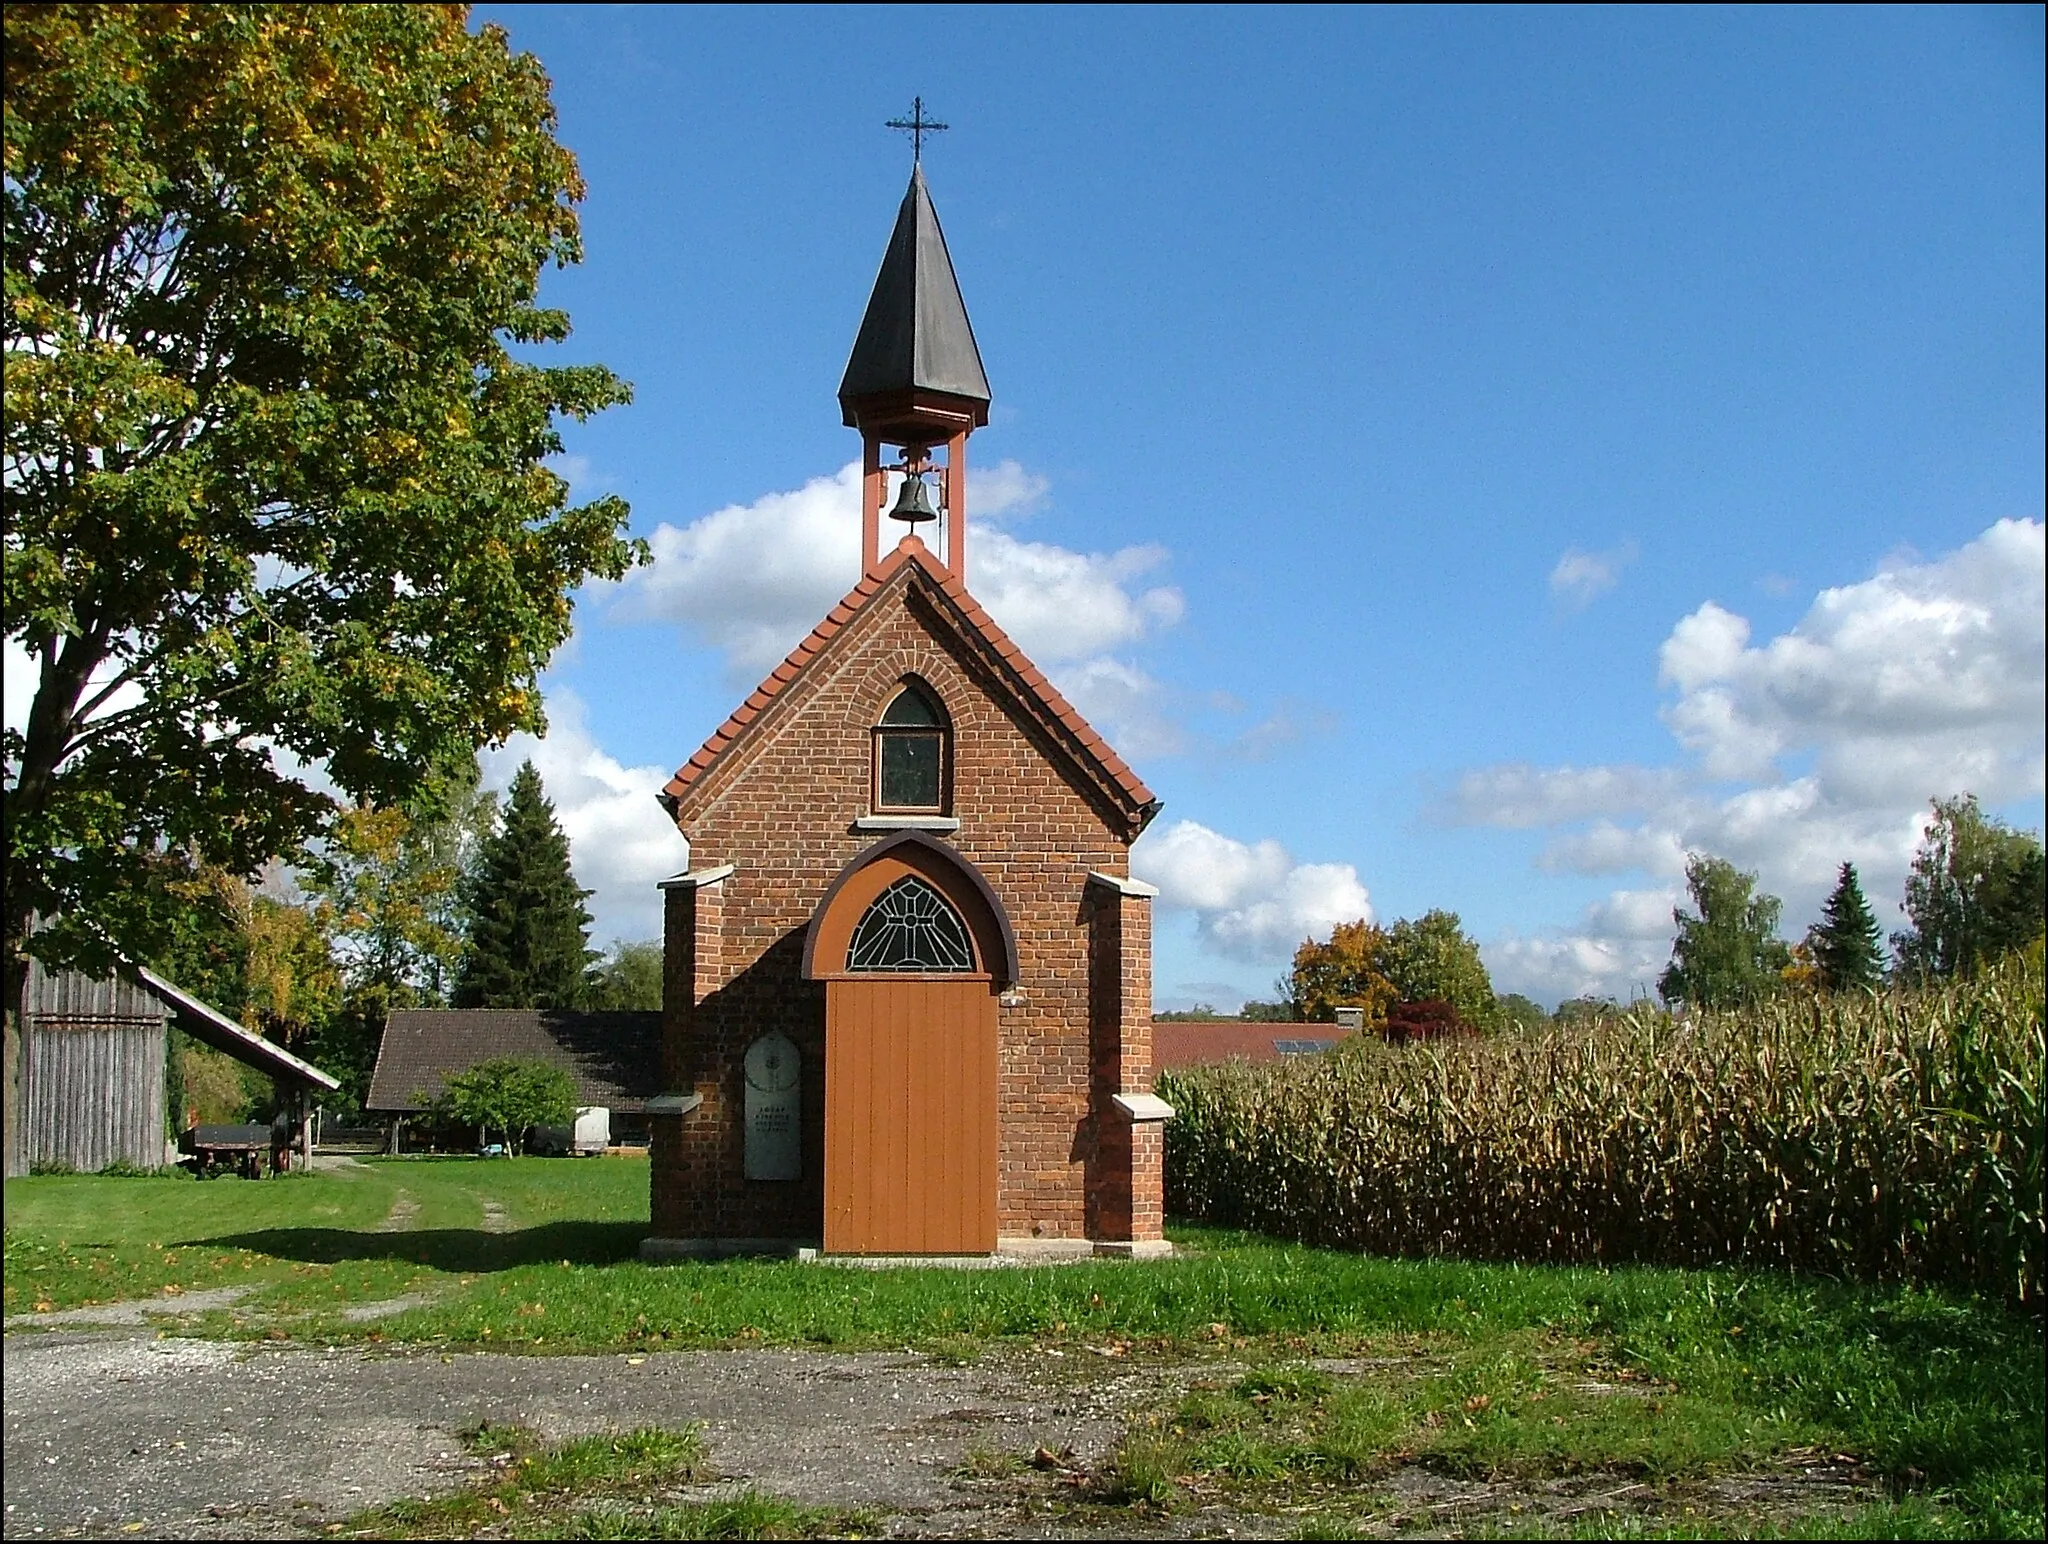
(913, 502)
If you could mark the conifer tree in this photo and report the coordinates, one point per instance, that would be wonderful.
(1846, 944)
(529, 934)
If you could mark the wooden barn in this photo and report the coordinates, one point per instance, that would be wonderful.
(92, 1068)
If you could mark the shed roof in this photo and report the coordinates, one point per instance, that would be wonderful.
(212, 1027)
(915, 335)
(1177, 1043)
(615, 1056)
(135, 991)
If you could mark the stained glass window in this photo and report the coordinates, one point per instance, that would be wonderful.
(910, 927)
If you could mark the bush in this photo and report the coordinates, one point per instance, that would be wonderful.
(508, 1095)
(1864, 1135)
(1430, 1019)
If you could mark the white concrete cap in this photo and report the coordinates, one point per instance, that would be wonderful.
(1123, 886)
(696, 879)
(1143, 1107)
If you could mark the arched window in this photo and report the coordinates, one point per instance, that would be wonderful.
(911, 764)
(910, 926)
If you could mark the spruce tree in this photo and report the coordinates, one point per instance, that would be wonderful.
(529, 934)
(1847, 945)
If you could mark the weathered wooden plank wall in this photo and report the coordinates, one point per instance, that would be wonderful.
(93, 1092)
(67, 994)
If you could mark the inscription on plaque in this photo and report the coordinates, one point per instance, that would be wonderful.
(774, 1109)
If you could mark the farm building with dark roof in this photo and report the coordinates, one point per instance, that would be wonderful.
(615, 1057)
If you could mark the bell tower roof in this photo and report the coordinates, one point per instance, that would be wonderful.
(915, 337)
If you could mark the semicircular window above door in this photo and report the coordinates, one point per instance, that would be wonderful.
(911, 927)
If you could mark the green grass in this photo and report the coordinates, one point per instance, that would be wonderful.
(77, 1240)
(1938, 1393)
(1519, 1406)
(601, 1487)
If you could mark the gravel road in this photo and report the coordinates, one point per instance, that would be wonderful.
(111, 1433)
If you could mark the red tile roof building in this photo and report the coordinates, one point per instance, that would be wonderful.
(1178, 1044)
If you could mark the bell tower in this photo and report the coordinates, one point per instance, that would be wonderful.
(914, 385)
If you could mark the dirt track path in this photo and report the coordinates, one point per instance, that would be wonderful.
(200, 1439)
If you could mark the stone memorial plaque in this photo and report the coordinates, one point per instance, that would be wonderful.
(775, 1142)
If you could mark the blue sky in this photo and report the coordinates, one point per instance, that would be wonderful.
(1463, 458)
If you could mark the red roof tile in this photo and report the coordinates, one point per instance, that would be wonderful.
(912, 553)
(1178, 1043)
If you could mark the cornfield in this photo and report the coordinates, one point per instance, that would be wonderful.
(1869, 1136)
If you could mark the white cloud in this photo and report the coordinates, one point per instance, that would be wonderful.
(1127, 706)
(1517, 795)
(17, 683)
(1926, 679)
(1004, 490)
(752, 579)
(1061, 605)
(1287, 726)
(1580, 577)
(1618, 949)
(577, 473)
(1927, 672)
(620, 840)
(1251, 901)
(1606, 848)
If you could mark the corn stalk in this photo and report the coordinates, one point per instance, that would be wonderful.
(1867, 1135)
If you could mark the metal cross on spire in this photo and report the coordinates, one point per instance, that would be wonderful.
(917, 125)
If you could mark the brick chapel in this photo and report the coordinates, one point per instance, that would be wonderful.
(907, 995)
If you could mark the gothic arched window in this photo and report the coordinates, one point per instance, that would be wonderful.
(910, 754)
(911, 926)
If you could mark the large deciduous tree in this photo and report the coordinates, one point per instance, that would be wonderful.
(1432, 959)
(275, 489)
(1519, 1012)
(1728, 951)
(630, 976)
(1977, 888)
(391, 876)
(1350, 971)
(529, 934)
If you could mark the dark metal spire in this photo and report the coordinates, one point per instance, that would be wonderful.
(915, 336)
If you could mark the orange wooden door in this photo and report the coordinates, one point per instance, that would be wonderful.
(910, 1116)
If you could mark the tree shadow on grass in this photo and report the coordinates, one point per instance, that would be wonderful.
(459, 1250)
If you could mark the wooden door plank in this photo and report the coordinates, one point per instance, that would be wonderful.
(910, 1100)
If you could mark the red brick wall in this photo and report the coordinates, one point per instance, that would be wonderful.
(1124, 1203)
(783, 813)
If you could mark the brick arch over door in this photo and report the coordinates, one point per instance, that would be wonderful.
(910, 1066)
(874, 870)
